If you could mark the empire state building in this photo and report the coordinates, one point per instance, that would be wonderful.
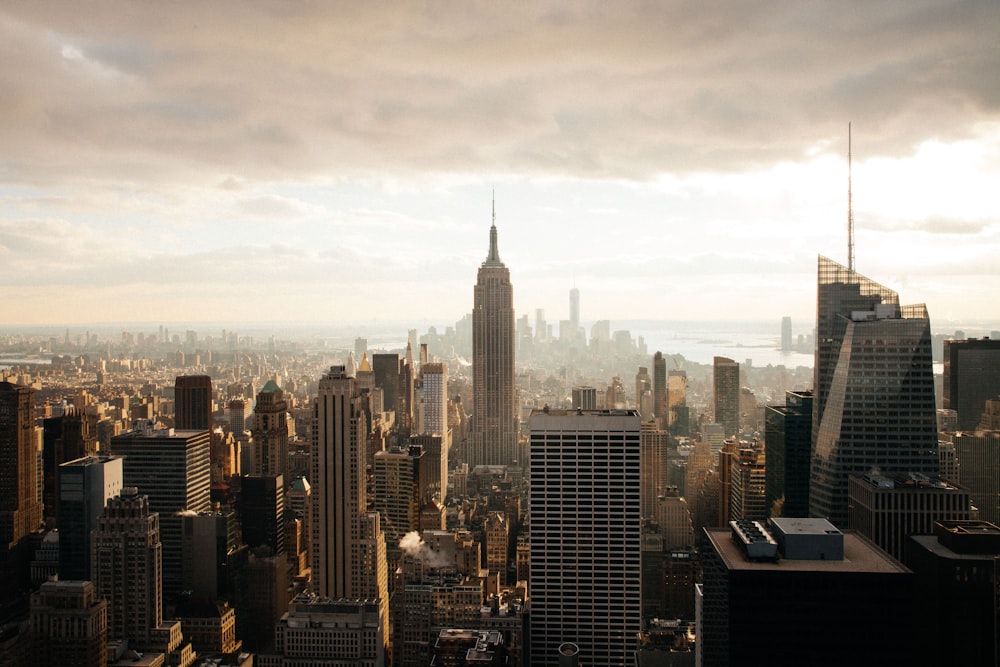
(494, 421)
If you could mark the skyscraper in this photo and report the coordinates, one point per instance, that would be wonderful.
(434, 417)
(20, 509)
(193, 402)
(347, 545)
(971, 377)
(786, 334)
(270, 431)
(574, 310)
(585, 535)
(726, 394)
(661, 405)
(69, 624)
(127, 567)
(787, 447)
(494, 420)
(173, 469)
(85, 486)
(874, 403)
(677, 383)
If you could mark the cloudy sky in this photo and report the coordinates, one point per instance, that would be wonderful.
(335, 161)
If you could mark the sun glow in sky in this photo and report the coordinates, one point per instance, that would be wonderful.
(331, 162)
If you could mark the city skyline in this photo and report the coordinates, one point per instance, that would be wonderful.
(168, 165)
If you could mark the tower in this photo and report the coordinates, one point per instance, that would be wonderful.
(787, 447)
(193, 402)
(434, 411)
(677, 384)
(574, 309)
(270, 431)
(726, 393)
(20, 509)
(580, 460)
(69, 623)
(347, 545)
(127, 557)
(660, 396)
(85, 486)
(172, 469)
(971, 377)
(874, 404)
(494, 421)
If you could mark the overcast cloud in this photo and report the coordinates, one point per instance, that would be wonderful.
(335, 160)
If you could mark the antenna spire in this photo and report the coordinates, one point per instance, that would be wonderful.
(850, 208)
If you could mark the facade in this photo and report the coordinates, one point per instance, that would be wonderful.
(971, 377)
(654, 448)
(660, 389)
(173, 469)
(747, 482)
(239, 411)
(978, 457)
(956, 572)
(584, 398)
(193, 403)
(494, 414)
(270, 431)
(680, 421)
(400, 486)
(263, 515)
(887, 509)
(811, 583)
(127, 567)
(347, 547)
(214, 560)
(64, 438)
(435, 423)
(323, 632)
(497, 532)
(787, 448)
(726, 394)
(874, 401)
(585, 510)
(20, 492)
(69, 624)
(385, 368)
(85, 486)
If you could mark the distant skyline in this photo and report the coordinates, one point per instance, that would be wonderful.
(334, 162)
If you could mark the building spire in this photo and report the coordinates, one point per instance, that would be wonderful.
(494, 257)
(850, 209)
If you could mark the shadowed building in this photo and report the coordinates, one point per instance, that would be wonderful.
(787, 448)
(726, 394)
(85, 486)
(971, 377)
(193, 402)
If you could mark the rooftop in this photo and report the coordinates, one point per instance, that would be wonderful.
(860, 555)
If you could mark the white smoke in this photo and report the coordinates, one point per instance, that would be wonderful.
(414, 546)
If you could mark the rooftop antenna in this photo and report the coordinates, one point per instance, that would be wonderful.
(850, 209)
(494, 207)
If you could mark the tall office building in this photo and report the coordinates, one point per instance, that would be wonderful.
(270, 431)
(322, 631)
(786, 334)
(400, 488)
(574, 310)
(888, 509)
(263, 512)
(677, 384)
(239, 411)
(654, 446)
(978, 457)
(193, 402)
(347, 545)
(644, 393)
(85, 487)
(584, 398)
(814, 585)
(126, 571)
(787, 448)
(971, 377)
(874, 395)
(957, 574)
(585, 510)
(434, 419)
(494, 418)
(173, 469)
(661, 408)
(69, 625)
(726, 394)
(385, 369)
(64, 438)
(20, 496)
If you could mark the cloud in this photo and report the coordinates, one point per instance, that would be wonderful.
(632, 91)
